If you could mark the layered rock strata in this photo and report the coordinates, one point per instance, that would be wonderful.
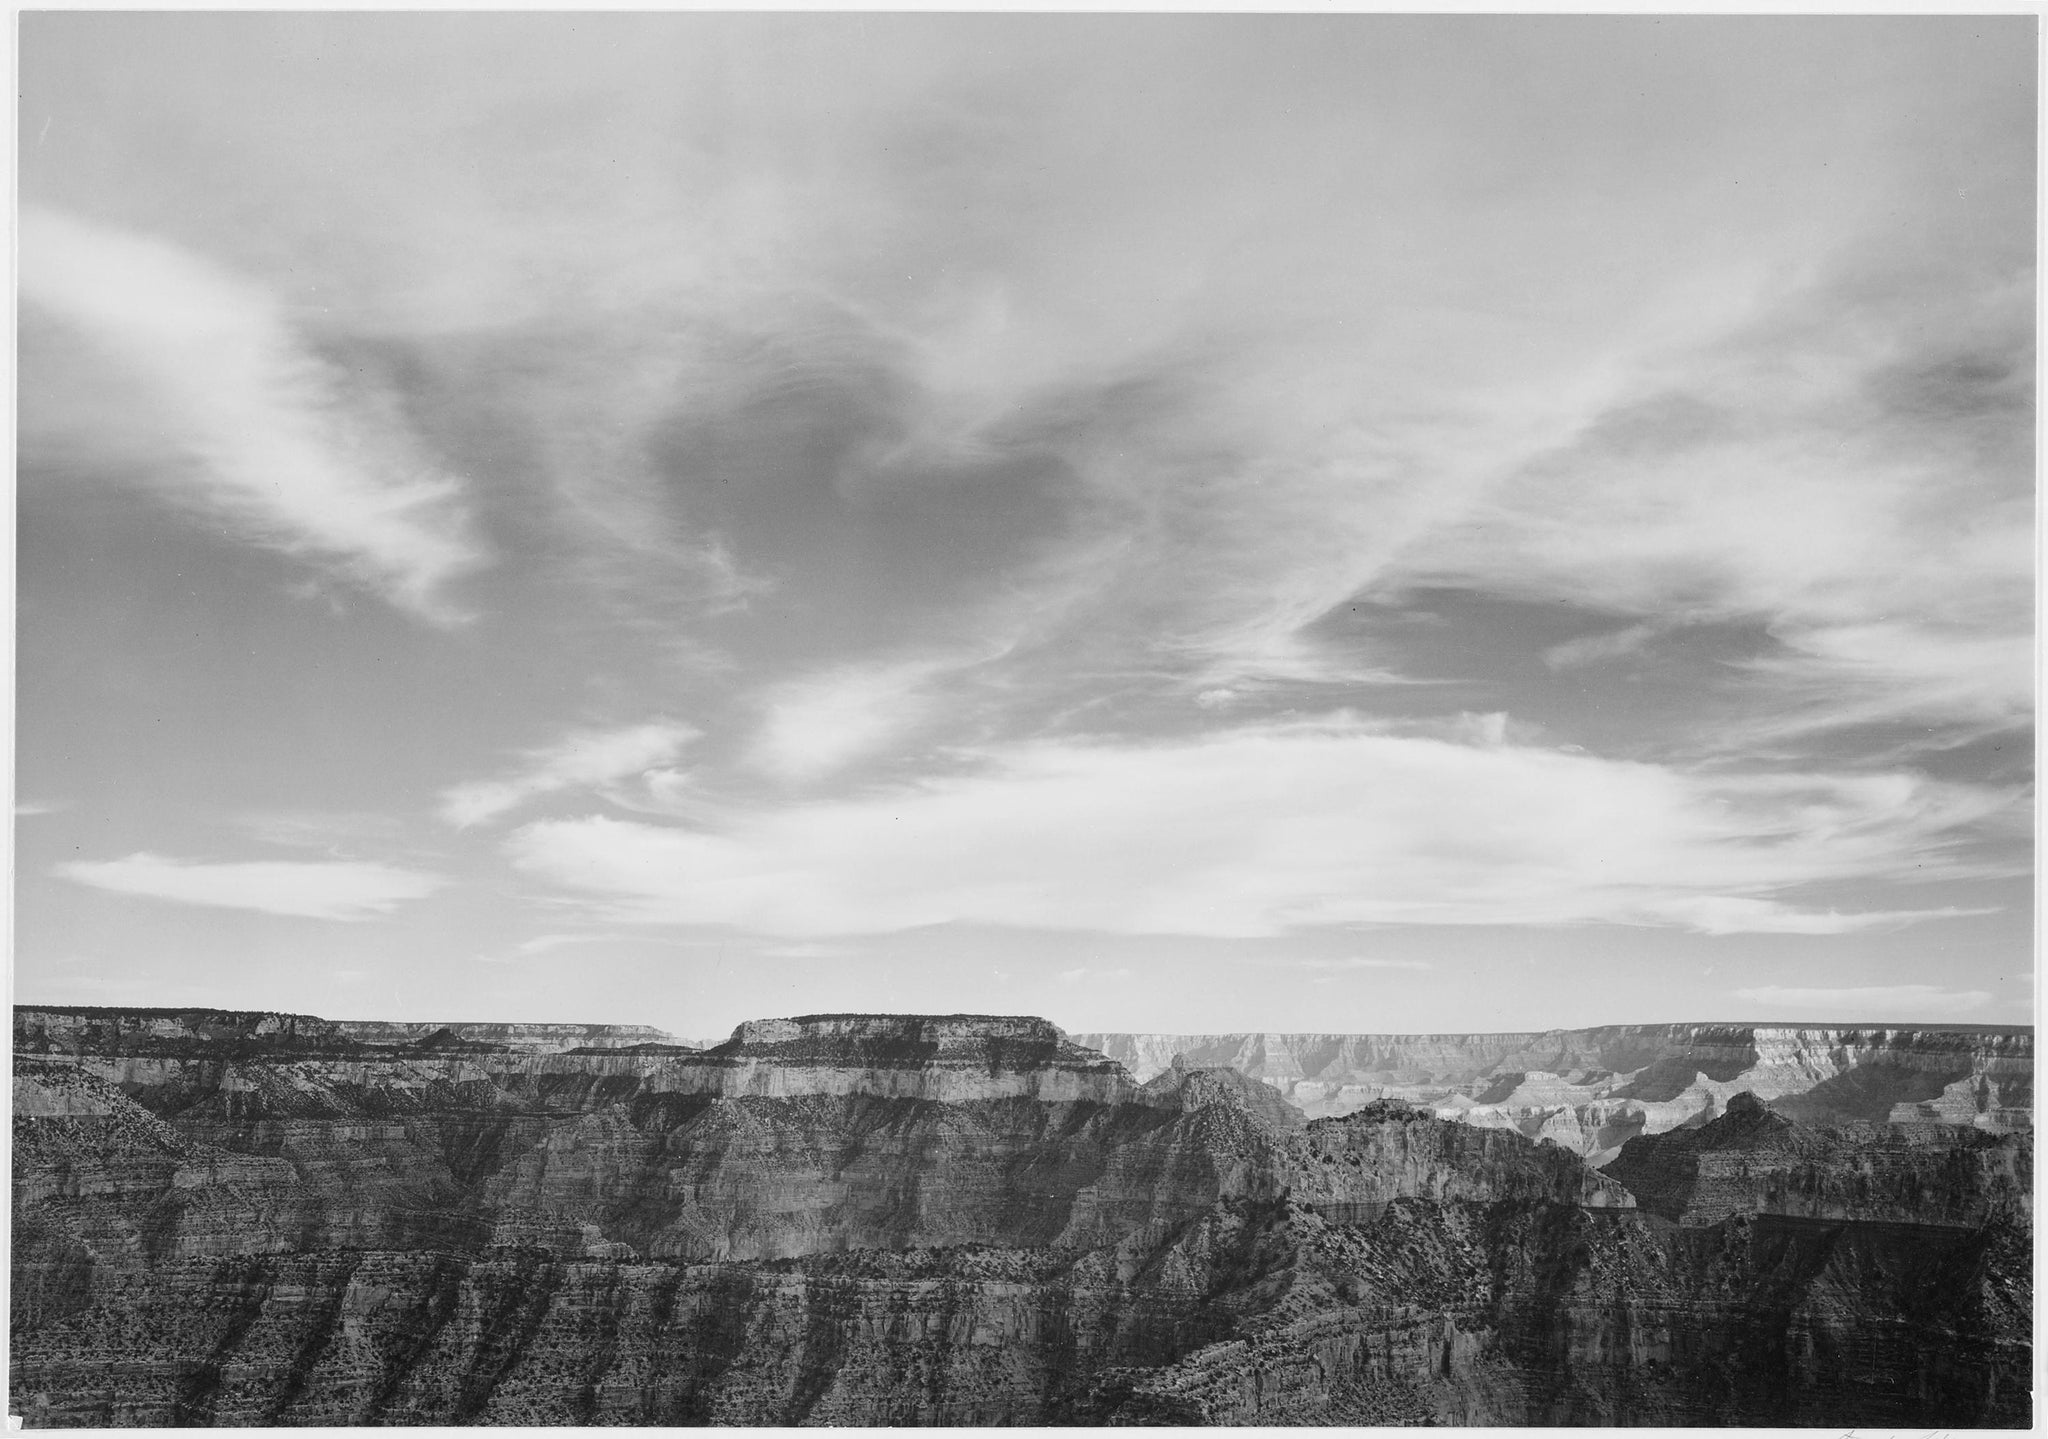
(88, 1029)
(1753, 1160)
(956, 1219)
(1593, 1090)
(527, 1038)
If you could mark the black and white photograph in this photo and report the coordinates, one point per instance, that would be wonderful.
(1005, 719)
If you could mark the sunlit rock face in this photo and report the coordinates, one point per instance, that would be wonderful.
(536, 1038)
(1593, 1090)
(857, 1219)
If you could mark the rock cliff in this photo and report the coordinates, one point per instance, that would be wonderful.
(1593, 1090)
(88, 1029)
(1753, 1160)
(527, 1038)
(262, 1219)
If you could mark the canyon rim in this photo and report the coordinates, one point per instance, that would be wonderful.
(228, 1218)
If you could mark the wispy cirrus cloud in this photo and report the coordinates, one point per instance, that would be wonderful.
(246, 422)
(817, 724)
(1735, 914)
(542, 943)
(338, 890)
(1862, 1001)
(1960, 683)
(1092, 975)
(1592, 649)
(1796, 448)
(1267, 830)
(1845, 465)
(775, 305)
(539, 944)
(332, 830)
(629, 530)
(582, 759)
(1359, 962)
(1179, 412)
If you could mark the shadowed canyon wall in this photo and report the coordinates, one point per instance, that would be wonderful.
(275, 1219)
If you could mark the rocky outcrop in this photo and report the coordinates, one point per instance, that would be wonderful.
(520, 1038)
(215, 1033)
(795, 1136)
(1593, 1090)
(1753, 1160)
(88, 1029)
(1350, 1171)
(1512, 1315)
(915, 1219)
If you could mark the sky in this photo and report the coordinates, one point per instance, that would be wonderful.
(1344, 523)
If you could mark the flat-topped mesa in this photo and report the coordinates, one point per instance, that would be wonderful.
(947, 1058)
(100, 1030)
(109, 1031)
(915, 1029)
(516, 1038)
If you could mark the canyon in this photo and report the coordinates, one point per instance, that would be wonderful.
(225, 1218)
(1593, 1090)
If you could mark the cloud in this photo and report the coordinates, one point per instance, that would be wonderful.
(539, 944)
(1961, 684)
(821, 723)
(30, 808)
(1693, 345)
(1591, 649)
(1736, 451)
(1268, 830)
(542, 943)
(582, 759)
(1084, 974)
(806, 950)
(331, 830)
(1286, 359)
(1359, 963)
(1846, 464)
(1730, 914)
(290, 449)
(342, 890)
(1896, 1001)
(1819, 437)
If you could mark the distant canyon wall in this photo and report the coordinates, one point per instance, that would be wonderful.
(1592, 1090)
(91, 1028)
